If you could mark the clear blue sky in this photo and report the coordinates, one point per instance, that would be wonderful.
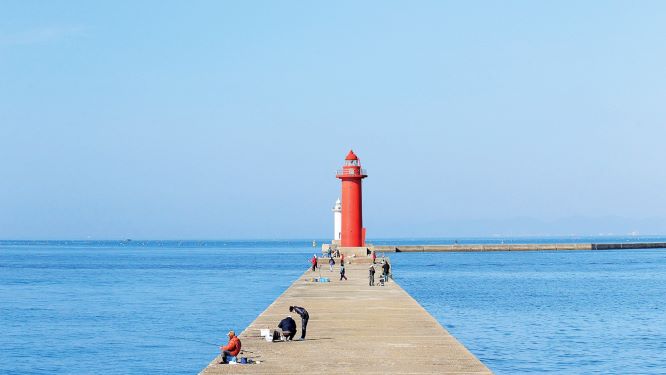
(173, 119)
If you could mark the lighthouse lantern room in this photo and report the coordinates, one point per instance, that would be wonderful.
(351, 174)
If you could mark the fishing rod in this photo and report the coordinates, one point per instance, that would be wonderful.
(187, 339)
(195, 340)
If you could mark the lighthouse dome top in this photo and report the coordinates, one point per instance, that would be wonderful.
(338, 206)
(351, 155)
(351, 169)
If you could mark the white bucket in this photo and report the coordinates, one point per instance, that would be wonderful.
(265, 332)
(269, 338)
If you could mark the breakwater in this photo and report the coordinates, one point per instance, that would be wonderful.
(354, 328)
(516, 247)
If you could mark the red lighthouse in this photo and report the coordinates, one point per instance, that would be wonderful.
(351, 175)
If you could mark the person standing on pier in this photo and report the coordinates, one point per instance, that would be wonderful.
(314, 262)
(342, 271)
(386, 268)
(303, 313)
(374, 257)
(372, 275)
(331, 263)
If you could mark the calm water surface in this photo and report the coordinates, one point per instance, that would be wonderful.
(84, 308)
(162, 307)
(548, 312)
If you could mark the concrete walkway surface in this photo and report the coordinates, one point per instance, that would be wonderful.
(353, 329)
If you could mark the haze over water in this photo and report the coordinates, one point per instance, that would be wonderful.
(161, 307)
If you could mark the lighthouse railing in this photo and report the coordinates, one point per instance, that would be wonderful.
(350, 172)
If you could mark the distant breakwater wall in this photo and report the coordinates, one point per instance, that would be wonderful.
(515, 247)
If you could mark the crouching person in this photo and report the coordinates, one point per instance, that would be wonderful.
(232, 348)
(288, 327)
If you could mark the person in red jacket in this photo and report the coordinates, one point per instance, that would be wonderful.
(314, 262)
(232, 348)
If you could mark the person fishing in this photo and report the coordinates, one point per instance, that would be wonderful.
(314, 262)
(386, 268)
(232, 348)
(303, 313)
(371, 275)
(288, 327)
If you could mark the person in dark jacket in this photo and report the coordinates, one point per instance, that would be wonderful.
(288, 327)
(342, 271)
(303, 313)
(371, 275)
(386, 268)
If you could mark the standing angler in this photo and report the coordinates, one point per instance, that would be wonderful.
(304, 318)
(314, 262)
(386, 269)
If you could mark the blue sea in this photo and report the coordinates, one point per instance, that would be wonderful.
(117, 307)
